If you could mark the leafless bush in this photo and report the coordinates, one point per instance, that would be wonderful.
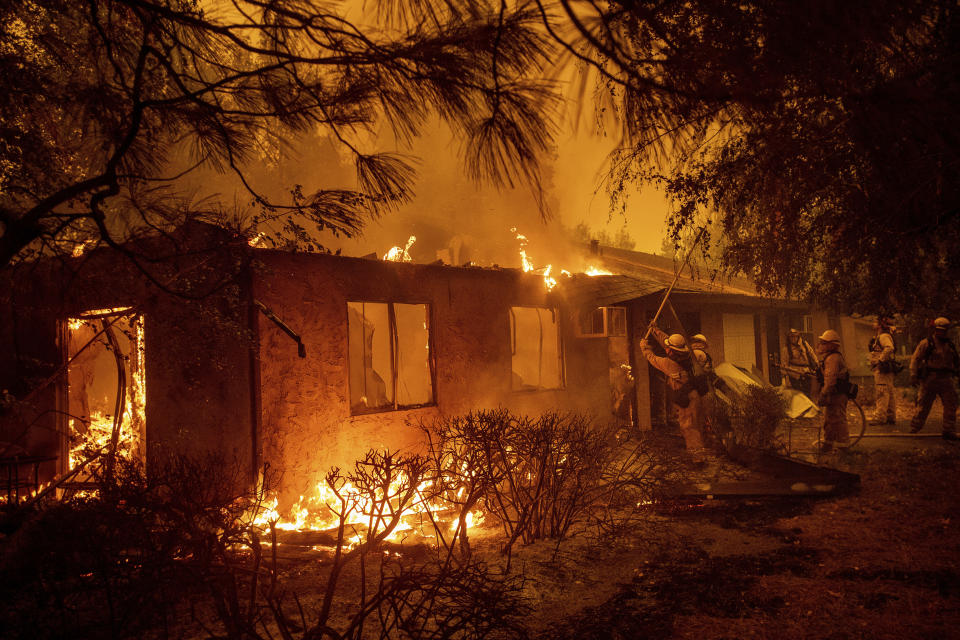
(445, 596)
(122, 561)
(751, 419)
(635, 482)
(539, 477)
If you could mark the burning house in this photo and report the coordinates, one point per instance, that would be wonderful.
(299, 361)
(303, 362)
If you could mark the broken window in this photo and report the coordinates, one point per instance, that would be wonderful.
(535, 345)
(389, 350)
(105, 390)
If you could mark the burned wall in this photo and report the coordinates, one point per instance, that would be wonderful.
(308, 424)
(197, 345)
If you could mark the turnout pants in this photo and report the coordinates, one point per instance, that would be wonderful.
(886, 407)
(691, 421)
(835, 420)
(937, 384)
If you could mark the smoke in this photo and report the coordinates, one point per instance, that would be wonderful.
(452, 217)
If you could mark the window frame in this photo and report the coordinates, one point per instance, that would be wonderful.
(561, 353)
(394, 339)
(607, 313)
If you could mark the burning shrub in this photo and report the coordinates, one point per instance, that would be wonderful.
(751, 419)
(370, 591)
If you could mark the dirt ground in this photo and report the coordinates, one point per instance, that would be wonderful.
(881, 563)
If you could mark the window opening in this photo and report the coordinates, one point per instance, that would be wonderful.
(106, 386)
(390, 364)
(537, 355)
(603, 322)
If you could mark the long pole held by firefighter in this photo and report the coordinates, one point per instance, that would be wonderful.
(676, 278)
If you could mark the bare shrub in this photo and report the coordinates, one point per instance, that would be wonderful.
(751, 419)
(540, 477)
(635, 482)
(119, 562)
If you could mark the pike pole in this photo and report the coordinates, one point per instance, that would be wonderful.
(676, 278)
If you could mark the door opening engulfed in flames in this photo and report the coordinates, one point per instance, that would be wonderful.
(105, 386)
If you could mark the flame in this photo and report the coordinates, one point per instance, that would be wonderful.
(95, 433)
(80, 249)
(320, 511)
(596, 271)
(258, 241)
(547, 272)
(401, 254)
(527, 263)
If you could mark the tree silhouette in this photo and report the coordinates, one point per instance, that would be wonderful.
(107, 106)
(821, 137)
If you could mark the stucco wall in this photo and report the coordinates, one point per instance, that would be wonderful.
(307, 426)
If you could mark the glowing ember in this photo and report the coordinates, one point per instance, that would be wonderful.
(81, 248)
(258, 241)
(401, 254)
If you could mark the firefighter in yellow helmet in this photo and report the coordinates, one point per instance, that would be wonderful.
(883, 363)
(686, 392)
(933, 366)
(834, 378)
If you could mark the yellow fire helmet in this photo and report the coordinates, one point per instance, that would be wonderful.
(941, 323)
(677, 343)
(830, 336)
(699, 337)
(793, 332)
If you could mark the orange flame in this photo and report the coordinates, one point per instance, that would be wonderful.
(400, 254)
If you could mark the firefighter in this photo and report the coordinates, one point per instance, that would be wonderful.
(698, 347)
(834, 379)
(677, 366)
(933, 366)
(800, 364)
(883, 363)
